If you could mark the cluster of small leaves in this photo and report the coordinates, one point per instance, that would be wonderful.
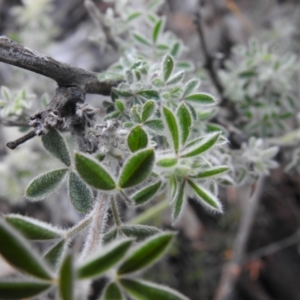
(57, 268)
(260, 83)
(254, 160)
(14, 106)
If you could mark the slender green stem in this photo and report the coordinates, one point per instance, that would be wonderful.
(79, 227)
(115, 212)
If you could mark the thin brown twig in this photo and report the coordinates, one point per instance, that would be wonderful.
(209, 63)
(14, 144)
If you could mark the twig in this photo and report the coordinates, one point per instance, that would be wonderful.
(274, 247)
(14, 144)
(97, 18)
(209, 59)
(232, 269)
(65, 75)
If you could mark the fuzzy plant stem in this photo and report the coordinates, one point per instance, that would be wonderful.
(99, 217)
(115, 212)
(79, 227)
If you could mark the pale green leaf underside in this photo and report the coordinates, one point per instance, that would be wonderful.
(43, 185)
(56, 145)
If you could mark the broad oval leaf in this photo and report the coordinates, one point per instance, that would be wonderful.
(43, 185)
(54, 255)
(190, 87)
(206, 197)
(135, 114)
(93, 173)
(175, 49)
(146, 193)
(168, 65)
(201, 99)
(56, 145)
(146, 253)
(112, 292)
(210, 172)
(178, 203)
(139, 232)
(16, 250)
(120, 105)
(22, 289)
(110, 236)
(66, 279)
(172, 128)
(149, 94)
(157, 30)
(80, 194)
(33, 229)
(100, 262)
(201, 145)
(123, 93)
(148, 110)
(176, 78)
(155, 125)
(167, 162)
(141, 39)
(185, 122)
(144, 290)
(137, 139)
(137, 168)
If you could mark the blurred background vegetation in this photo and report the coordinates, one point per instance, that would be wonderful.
(64, 31)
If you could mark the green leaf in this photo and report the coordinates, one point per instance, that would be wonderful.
(137, 168)
(111, 235)
(80, 194)
(168, 65)
(148, 110)
(15, 249)
(54, 255)
(209, 172)
(135, 114)
(176, 78)
(201, 145)
(120, 105)
(172, 128)
(206, 197)
(186, 65)
(190, 87)
(93, 173)
(56, 145)
(155, 124)
(175, 49)
(66, 279)
(144, 290)
(167, 162)
(201, 99)
(146, 253)
(139, 232)
(149, 94)
(172, 188)
(102, 261)
(178, 202)
(157, 30)
(137, 139)
(43, 185)
(141, 39)
(185, 122)
(22, 289)
(146, 193)
(112, 292)
(33, 229)
(134, 16)
(123, 93)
